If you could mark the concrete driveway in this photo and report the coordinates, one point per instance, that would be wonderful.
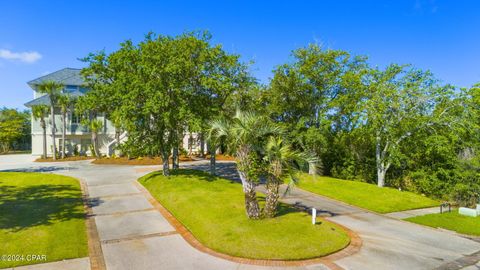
(133, 235)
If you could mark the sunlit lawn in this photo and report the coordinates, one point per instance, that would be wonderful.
(212, 208)
(41, 214)
(368, 196)
(450, 221)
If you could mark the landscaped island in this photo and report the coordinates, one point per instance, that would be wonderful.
(368, 196)
(41, 215)
(212, 208)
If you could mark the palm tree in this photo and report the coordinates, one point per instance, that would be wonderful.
(40, 112)
(95, 127)
(282, 163)
(65, 104)
(245, 136)
(53, 90)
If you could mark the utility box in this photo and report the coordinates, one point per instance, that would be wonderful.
(468, 211)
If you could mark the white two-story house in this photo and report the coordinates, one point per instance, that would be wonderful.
(76, 135)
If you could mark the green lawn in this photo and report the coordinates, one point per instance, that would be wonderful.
(212, 208)
(368, 196)
(450, 221)
(41, 214)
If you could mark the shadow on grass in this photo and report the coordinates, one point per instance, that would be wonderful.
(196, 173)
(226, 170)
(24, 207)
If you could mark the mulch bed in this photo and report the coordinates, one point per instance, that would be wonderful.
(136, 161)
(76, 158)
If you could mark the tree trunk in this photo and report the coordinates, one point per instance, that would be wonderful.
(312, 168)
(251, 203)
(94, 138)
(166, 169)
(64, 132)
(380, 161)
(97, 147)
(381, 171)
(54, 150)
(175, 158)
(202, 145)
(44, 127)
(212, 160)
(272, 196)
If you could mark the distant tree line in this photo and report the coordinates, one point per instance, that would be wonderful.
(15, 134)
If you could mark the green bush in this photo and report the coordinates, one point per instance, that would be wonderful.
(466, 194)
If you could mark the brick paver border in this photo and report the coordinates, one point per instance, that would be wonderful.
(328, 260)
(97, 262)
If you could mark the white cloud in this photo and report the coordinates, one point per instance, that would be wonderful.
(27, 57)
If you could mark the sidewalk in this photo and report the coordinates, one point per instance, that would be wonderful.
(414, 213)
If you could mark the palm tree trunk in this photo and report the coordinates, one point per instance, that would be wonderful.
(272, 196)
(96, 151)
(44, 127)
(64, 132)
(54, 150)
(251, 203)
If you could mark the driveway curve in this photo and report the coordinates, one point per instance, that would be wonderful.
(133, 235)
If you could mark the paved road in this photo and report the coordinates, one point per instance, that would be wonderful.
(135, 236)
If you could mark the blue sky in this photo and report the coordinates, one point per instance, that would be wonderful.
(37, 37)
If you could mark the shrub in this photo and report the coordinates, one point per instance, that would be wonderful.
(466, 194)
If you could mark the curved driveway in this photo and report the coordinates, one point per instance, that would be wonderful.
(134, 235)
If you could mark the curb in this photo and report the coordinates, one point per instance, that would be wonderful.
(353, 247)
(97, 261)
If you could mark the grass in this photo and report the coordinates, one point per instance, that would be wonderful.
(212, 208)
(364, 195)
(73, 158)
(135, 161)
(41, 214)
(451, 221)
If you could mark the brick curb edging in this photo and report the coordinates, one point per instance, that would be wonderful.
(97, 262)
(328, 260)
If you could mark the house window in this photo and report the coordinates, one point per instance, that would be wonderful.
(76, 118)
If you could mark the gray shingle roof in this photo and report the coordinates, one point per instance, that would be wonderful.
(45, 100)
(66, 76)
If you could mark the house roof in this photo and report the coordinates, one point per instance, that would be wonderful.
(45, 100)
(66, 76)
